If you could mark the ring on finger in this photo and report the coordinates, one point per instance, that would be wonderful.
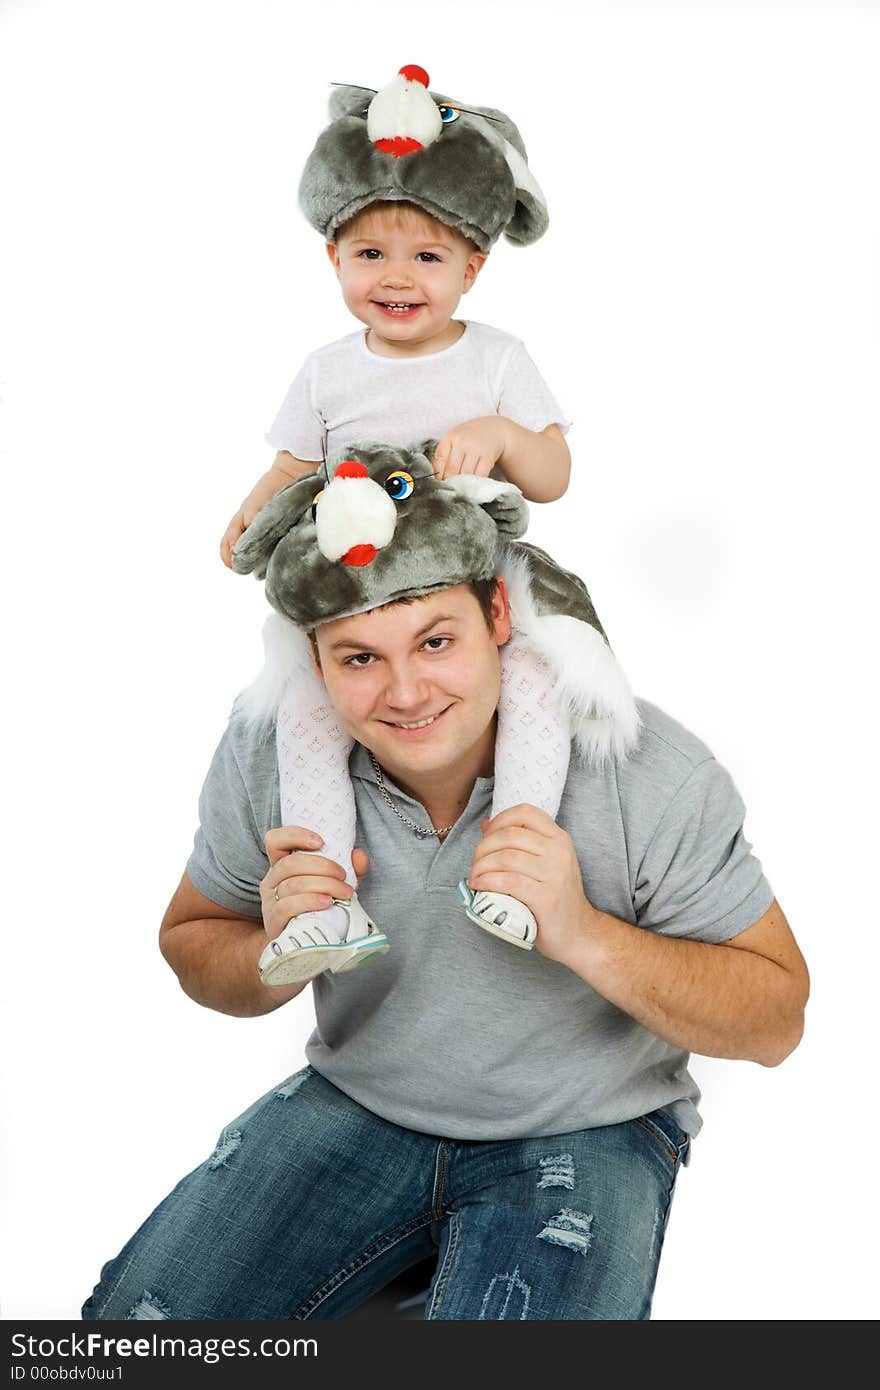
(275, 893)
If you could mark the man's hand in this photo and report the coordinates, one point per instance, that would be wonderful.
(305, 882)
(525, 853)
(473, 447)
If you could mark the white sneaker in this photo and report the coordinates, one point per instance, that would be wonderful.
(501, 915)
(363, 938)
(309, 945)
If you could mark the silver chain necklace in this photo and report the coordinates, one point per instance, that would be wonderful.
(420, 831)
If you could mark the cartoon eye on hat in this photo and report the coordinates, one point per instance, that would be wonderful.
(399, 486)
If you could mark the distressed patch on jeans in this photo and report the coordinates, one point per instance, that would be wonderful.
(292, 1085)
(148, 1309)
(654, 1229)
(573, 1229)
(557, 1170)
(229, 1141)
(516, 1294)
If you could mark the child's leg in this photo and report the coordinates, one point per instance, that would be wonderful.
(316, 793)
(533, 742)
(316, 790)
(532, 750)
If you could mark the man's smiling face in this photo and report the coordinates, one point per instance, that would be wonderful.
(418, 683)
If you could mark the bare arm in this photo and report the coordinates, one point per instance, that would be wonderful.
(538, 463)
(214, 953)
(285, 469)
(744, 998)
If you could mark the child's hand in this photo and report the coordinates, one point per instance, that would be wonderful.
(236, 528)
(250, 507)
(285, 470)
(473, 447)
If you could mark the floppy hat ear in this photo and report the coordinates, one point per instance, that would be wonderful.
(425, 447)
(272, 523)
(531, 218)
(503, 502)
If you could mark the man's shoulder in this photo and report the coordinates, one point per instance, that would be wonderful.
(667, 744)
(664, 759)
(670, 768)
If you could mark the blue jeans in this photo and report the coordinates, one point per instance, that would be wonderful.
(309, 1204)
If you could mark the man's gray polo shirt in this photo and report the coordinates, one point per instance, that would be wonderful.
(454, 1032)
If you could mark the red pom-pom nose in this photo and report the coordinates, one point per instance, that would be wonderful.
(351, 469)
(413, 73)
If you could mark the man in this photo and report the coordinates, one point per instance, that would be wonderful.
(521, 1115)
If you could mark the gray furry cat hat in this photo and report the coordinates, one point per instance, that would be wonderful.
(466, 166)
(375, 524)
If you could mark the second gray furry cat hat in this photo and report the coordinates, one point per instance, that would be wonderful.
(377, 525)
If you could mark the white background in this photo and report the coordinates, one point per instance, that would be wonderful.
(705, 307)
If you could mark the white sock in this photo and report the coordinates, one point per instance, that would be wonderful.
(533, 743)
(316, 790)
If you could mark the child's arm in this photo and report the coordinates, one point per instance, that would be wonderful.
(285, 469)
(537, 462)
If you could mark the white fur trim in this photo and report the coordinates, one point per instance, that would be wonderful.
(353, 511)
(480, 490)
(590, 681)
(403, 108)
(287, 654)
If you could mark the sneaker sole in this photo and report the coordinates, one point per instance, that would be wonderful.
(305, 963)
(361, 955)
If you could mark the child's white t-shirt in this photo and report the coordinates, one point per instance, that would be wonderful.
(344, 393)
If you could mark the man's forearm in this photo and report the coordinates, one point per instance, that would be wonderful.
(537, 463)
(710, 999)
(215, 961)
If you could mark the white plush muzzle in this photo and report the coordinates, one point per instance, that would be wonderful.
(403, 110)
(353, 511)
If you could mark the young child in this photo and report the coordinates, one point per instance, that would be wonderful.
(410, 190)
(417, 372)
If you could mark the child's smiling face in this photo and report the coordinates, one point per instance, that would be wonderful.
(399, 256)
